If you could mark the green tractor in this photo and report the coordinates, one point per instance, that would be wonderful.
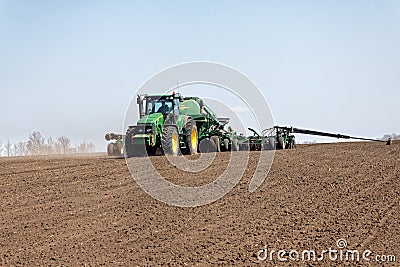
(177, 125)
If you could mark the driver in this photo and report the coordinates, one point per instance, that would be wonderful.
(164, 109)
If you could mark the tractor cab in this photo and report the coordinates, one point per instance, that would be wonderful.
(165, 104)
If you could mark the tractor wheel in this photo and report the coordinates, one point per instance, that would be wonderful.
(129, 151)
(215, 140)
(151, 150)
(192, 138)
(291, 144)
(110, 149)
(170, 140)
(262, 146)
(281, 143)
(271, 143)
(117, 150)
(235, 145)
(244, 147)
(207, 146)
(226, 144)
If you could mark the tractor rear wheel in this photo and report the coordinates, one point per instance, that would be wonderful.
(170, 140)
(215, 140)
(191, 138)
(235, 145)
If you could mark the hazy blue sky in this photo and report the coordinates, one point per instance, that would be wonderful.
(71, 67)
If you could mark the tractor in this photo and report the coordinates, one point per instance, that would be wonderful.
(115, 148)
(177, 125)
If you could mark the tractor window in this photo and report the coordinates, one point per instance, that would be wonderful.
(160, 106)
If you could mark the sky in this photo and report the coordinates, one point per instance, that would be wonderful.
(72, 67)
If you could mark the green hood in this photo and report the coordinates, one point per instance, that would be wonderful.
(151, 118)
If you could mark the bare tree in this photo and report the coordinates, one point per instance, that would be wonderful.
(8, 147)
(82, 147)
(65, 143)
(15, 149)
(85, 147)
(21, 149)
(57, 148)
(35, 144)
(50, 146)
(91, 148)
(38, 145)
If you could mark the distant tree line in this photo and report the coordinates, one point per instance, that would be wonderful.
(38, 145)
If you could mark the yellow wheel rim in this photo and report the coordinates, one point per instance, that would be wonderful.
(194, 139)
(174, 142)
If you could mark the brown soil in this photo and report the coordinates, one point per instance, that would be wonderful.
(89, 211)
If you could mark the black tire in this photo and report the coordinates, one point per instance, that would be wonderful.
(192, 144)
(235, 145)
(129, 151)
(226, 144)
(291, 144)
(281, 143)
(215, 140)
(170, 140)
(271, 143)
(207, 146)
(244, 147)
(117, 150)
(110, 149)
(151, 150)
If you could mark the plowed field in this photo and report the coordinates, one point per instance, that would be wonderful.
(88, 210)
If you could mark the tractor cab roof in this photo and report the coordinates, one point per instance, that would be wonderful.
(161, 96)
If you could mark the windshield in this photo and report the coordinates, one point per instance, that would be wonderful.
(158, 106)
